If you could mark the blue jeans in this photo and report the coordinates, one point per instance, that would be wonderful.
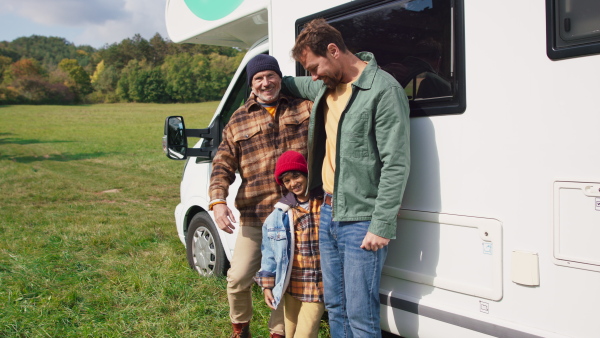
(351, 277)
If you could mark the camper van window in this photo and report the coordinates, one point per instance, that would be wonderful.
(573, 28)
(419, 42)
(236, 99)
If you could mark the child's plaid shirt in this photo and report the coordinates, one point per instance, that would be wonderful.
(306, 281)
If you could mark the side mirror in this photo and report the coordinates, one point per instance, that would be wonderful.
(174, 139)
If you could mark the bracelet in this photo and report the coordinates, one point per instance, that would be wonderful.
(215, 202)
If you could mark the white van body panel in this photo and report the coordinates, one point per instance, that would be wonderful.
(498, 231)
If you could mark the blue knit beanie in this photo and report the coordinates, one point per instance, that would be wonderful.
(260, 63)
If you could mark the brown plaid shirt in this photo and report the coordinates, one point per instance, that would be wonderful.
(252, 142)
(306, 280)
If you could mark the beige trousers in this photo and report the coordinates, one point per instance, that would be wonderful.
(302, 319)
(244, 265)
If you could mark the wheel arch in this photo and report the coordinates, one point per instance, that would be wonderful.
(192, 211)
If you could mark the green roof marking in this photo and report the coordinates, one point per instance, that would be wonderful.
(212, 9)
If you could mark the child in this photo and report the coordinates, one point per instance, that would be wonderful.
(290, 265)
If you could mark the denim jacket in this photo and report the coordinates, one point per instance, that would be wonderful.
(277, 250)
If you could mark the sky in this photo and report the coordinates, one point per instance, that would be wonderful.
(83, 22)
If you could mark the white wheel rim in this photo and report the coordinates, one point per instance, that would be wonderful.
(204, 251)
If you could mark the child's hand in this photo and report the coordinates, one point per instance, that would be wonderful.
(269, 298)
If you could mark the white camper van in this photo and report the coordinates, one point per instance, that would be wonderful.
(499, 229)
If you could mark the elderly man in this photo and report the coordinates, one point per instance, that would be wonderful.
(266, 126)
(358, 148)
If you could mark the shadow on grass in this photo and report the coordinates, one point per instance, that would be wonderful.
(12, 140)
(56, 157)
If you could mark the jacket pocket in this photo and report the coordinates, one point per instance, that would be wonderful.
(356, 129)
(294, 118)
(251, 142)
(276, 234)
(245, 137)
(294, 132)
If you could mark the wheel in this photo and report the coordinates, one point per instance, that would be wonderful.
(205, 252)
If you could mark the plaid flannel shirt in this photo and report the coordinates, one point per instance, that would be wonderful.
(306, 280)
(252, 142)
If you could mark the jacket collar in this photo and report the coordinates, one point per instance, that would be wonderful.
(289, 199)
(366, 78)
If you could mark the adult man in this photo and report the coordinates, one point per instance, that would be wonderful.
(358, 148)
(266, 126)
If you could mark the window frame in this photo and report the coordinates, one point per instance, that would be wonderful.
(418, 108)
(552, 31)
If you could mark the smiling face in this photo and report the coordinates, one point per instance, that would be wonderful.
(266, 86)
(295, 182)
(322, 68)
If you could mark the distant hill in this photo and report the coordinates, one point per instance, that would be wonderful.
(51, 70)
(47, 50)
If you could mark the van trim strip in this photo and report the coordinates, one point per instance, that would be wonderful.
(454, 319)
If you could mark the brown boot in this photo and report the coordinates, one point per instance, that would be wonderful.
(241, 330)
(276, 335)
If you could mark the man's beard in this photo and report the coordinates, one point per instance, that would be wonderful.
(330, 82)
(267, 99)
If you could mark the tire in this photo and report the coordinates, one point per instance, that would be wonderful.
(204, 249)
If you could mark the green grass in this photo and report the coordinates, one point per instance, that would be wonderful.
(88, 245)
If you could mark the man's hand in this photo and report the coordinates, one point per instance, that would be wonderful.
(224, 217)
(269, 298)
(373, 242)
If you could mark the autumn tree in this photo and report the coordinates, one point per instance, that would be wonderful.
(99, 69)
(28, 82)
(24, 68)
(79, 79)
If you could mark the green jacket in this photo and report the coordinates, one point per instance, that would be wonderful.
(373, 147)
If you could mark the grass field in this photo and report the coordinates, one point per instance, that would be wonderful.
(88, 246)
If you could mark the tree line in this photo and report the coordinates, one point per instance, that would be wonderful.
(52, 70)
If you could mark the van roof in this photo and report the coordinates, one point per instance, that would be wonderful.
(233, 23)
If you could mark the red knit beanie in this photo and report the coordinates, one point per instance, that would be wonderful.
(288, 161)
